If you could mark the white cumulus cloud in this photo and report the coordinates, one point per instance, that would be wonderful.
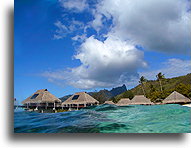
(159, 25)
(103, 64)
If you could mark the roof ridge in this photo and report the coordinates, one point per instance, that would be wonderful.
(85, 97)
(42, 96)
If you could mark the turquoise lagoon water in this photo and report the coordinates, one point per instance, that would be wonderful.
(170, 118)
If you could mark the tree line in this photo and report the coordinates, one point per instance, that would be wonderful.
(154, 89)
(157, 96)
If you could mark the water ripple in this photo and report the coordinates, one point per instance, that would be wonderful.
(107, 119)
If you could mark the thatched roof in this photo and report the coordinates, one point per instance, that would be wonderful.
(140, 99)
(124, 102)
(41, 96)
(80, 98)
(109, 102)
(176, 97)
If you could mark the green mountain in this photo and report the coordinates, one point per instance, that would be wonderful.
(103, 95)
(181, 84)
(64, 98)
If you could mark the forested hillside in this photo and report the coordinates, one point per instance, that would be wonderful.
(156, 91)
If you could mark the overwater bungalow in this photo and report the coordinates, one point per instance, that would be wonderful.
(176, 98)
(141, 100)
(79, 100)
(109, 102)
(42, 99)
(124, 102)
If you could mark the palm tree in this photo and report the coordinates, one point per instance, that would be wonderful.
(159, 77)
(141, 81)
(152, 88)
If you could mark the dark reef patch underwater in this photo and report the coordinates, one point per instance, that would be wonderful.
(170, 118)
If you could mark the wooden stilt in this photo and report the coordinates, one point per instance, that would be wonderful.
(36, 107)
(54, 106)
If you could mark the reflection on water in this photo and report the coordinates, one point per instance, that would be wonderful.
(107, 119)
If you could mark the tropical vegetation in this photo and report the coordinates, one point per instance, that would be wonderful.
(156, 90)
(159, 89)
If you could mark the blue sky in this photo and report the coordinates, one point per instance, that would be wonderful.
(70, 46)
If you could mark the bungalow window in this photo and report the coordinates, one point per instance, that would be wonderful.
(34, 96)
(75, 97)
